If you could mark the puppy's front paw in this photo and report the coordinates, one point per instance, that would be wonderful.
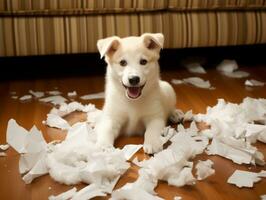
(152, 146)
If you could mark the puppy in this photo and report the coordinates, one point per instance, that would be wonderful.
(136, 100)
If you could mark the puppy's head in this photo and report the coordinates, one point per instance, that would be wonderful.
(133, 60)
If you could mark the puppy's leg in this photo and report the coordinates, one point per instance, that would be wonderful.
(152, 138)
(107, 131)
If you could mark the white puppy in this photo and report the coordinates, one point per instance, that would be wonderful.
(136, 101)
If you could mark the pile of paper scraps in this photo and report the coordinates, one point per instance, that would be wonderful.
(233, 130)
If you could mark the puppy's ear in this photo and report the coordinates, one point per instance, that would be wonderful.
(108, 46)
(153, 40)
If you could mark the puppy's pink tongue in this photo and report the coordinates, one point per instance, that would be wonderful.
(133, 92)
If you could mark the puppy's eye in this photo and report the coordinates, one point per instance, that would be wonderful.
(123, 63)
(143, 61)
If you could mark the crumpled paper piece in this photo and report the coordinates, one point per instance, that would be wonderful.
(25, 97)
(237, 150)
(36, 94)
(245, 178)
(4, 147)
(195, 81)
(198, 82)
(195, 68)
(56, 121)
(32, 147)
(54, 92)
(142, 188)
(100, 95)
(253, 82)
(204, 169)
(56, 114)
(65, 109)
(130, 149)
(229, 68)
(175, 168)
(78, 159)
(72, 94)
(56, 100)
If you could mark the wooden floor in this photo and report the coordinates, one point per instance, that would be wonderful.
(188, 97)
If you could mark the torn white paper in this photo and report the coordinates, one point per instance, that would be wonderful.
(54, 92)
(32, 146)
(78, 159)
(233, 129)
(72, 94)
(130, 149)
(89, 192)
(229, 68)
(99, 95)
(195, 81)
(4, 147)
(56, 100)
(195, 68)
(36, 94)
(244, 178)
(253, 82)
(25, 97)
(188, 116)
(65, 108)
(142, 188)
(177, 198)
(14, 97)
(3, 154)
(236, 150)
(263, 197)
(93, 114)
(65, 195)
(204, 169)
(253, 132)
(56, 121)
(236, 74)
(198, 82)
(137, 162)
(133, 193)
(177, 81)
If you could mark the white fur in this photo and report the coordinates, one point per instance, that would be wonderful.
(150, 111)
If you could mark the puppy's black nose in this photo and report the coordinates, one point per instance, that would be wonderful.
(134, 80)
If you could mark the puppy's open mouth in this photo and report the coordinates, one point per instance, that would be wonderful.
(134, 92)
